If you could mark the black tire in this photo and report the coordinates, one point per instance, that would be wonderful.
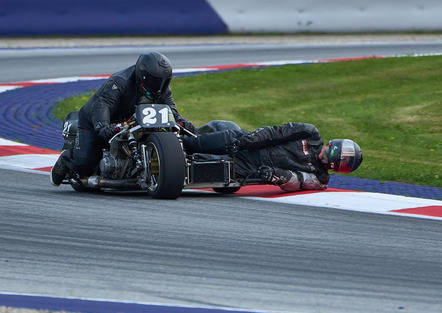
(167, 167)
(78, 188)
(226, 190)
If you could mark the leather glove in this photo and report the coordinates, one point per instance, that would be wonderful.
(232, 147)
(105, 132)
(274, 176)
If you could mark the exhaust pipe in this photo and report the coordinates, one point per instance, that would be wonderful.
(97, 182)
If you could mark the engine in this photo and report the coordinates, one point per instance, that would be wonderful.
(113, 164)
(111, 167)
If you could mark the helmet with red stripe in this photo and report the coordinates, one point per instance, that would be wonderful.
(342, 155)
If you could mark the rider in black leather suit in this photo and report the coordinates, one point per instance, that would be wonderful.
(145, 82)
(291, 156)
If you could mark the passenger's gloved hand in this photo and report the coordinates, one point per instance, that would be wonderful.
(274, 176)
(105, 132)
(232, 147)
(187, 125)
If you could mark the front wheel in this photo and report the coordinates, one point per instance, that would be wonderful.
(165, 166)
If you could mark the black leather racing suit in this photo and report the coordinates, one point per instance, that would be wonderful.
(290, 147)
(114, 102)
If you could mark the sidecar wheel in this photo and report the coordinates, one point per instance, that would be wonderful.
(166, 166)
(226, 190)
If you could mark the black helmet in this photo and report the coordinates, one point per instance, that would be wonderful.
(153, 73)
(342, 155)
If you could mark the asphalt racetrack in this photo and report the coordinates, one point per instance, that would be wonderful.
(206, 250)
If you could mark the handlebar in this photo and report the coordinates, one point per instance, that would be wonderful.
(187, 131)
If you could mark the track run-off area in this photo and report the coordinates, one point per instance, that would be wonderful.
(25, 157)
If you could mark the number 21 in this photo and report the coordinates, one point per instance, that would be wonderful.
(151, 113)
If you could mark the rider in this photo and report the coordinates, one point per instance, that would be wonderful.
(145, 82)
(291, 156)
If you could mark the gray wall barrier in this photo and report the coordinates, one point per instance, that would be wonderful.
(326, 16)
(209, 17)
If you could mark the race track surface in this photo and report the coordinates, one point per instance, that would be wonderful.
(209, 250)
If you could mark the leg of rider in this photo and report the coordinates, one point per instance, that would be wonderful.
(251, 164)
(247, 163)
(213, 143)
(86, 153)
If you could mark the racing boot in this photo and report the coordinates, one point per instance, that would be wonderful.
(59, 171)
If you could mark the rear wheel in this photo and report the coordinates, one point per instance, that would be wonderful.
(165, 166)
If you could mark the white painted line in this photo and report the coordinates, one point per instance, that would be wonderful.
(358, 201)
(29, 161)
(6, 88)
(6, 142)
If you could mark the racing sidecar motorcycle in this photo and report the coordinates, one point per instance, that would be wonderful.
(148, 154)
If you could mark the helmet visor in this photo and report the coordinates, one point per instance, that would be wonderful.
(154, 84)
(347, 157)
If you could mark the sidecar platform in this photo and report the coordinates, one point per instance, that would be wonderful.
(210, 171)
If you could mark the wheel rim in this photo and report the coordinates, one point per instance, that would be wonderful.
(164, 169)
(153, 167)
